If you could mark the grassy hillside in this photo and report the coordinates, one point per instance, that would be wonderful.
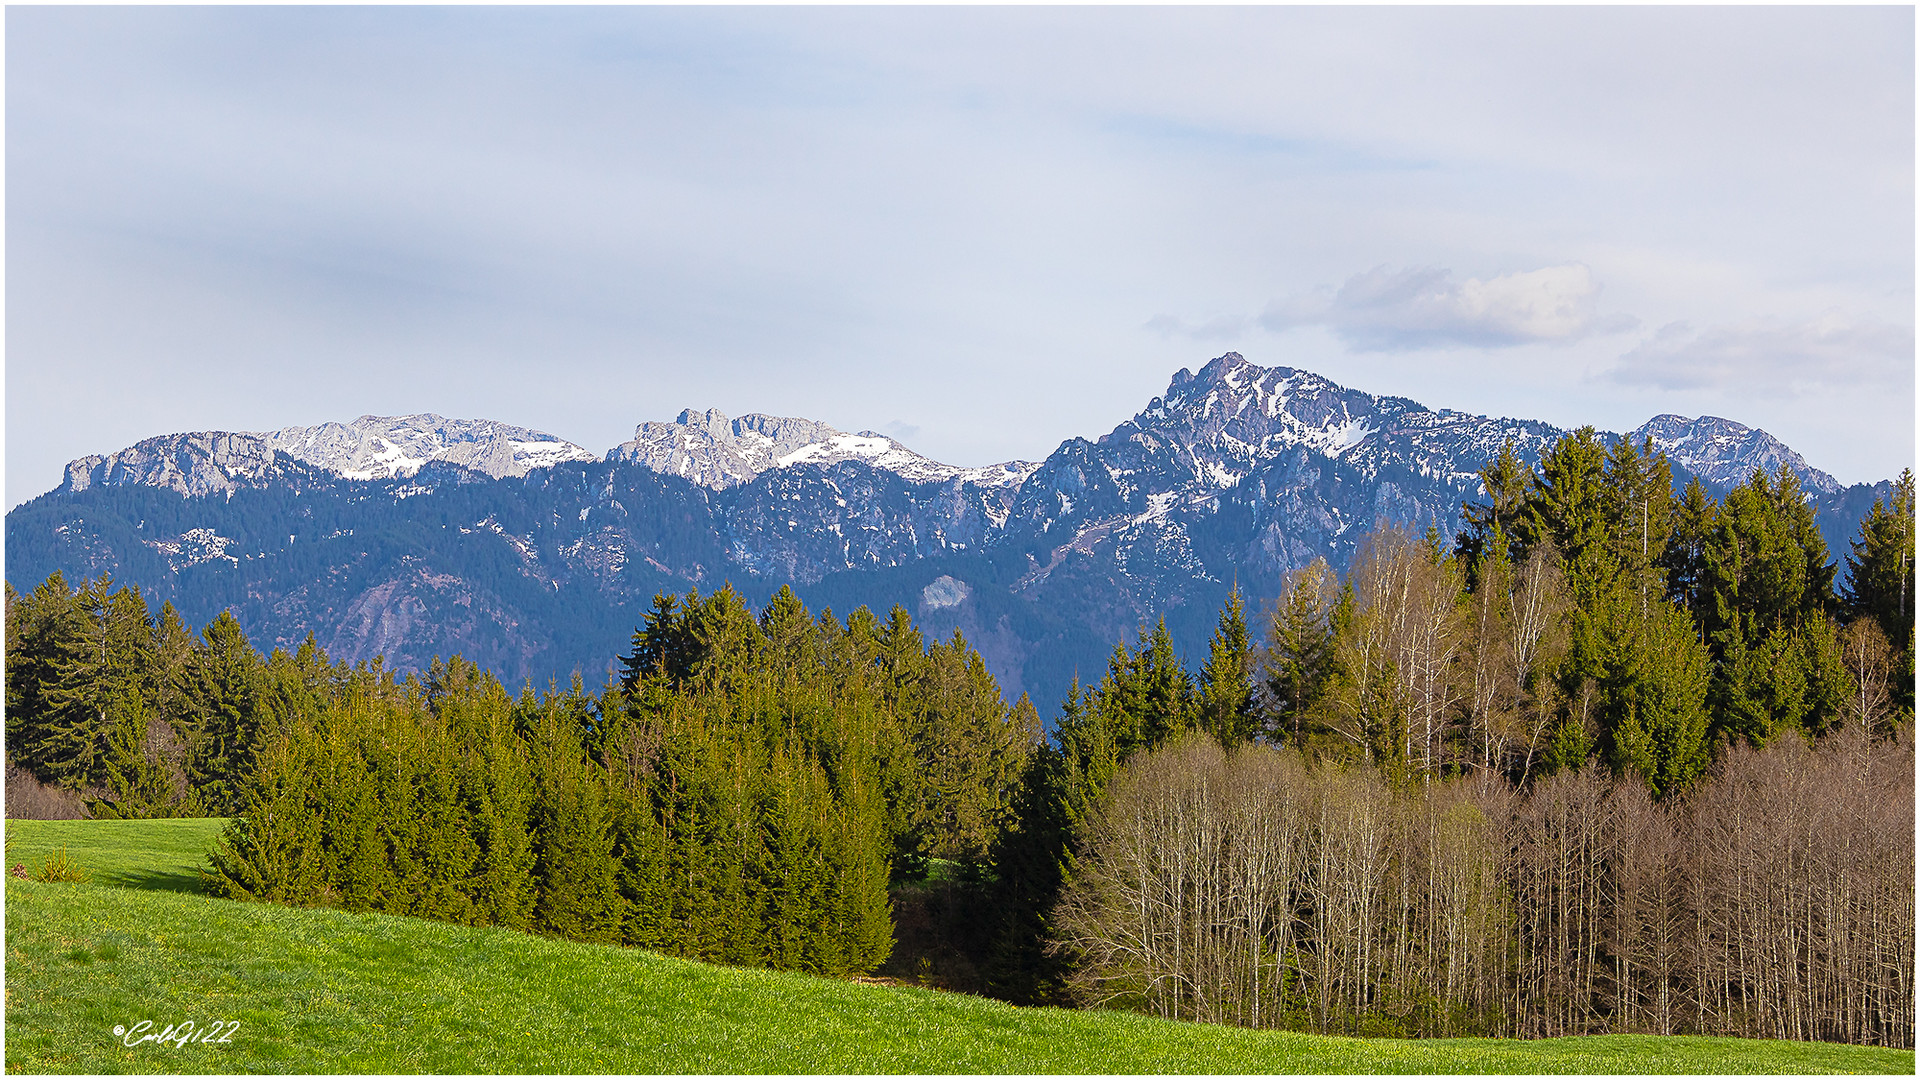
(329, 991)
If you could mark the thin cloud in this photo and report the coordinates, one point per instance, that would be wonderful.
(1765, 357)
(1389, 310)
(1219, 328)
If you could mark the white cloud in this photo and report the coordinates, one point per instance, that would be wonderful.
(1388, 310)
(1769, 357)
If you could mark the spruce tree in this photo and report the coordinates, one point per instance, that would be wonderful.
(1692, 520)
(1657, 729)
(223, 687)
(1298, 659)
(574, 867)
(101, 670)
(1880, 581)
(1506, 480)
(1224, 701)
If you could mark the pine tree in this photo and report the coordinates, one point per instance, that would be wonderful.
(574, 867)
(1659, 694)
(1693, 520)
(1506, 481)
(1224, 701)
(1297, 663)
(223, 688)
(1880, 581)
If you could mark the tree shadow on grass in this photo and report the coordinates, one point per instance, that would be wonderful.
(187, 881)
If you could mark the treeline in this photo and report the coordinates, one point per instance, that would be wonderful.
(1257, 888)
(739, 793)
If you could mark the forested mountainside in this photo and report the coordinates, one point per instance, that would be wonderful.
(416, 537)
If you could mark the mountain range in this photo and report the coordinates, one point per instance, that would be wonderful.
(417, 536)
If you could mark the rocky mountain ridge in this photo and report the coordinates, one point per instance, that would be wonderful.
(371, 448)
(419, 536)
(1209, 432)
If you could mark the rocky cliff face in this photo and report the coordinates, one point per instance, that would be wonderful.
(195, 464)
(371, 448)
(713, 451)
(418, 536)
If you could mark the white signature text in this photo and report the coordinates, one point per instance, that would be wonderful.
(176, 1035)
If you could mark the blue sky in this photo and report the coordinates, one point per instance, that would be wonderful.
(980, 230)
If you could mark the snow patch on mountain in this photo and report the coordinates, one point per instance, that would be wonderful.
(710, 449)
(193, 547)
(383, 447)
(203, 463)
(1726, 452)
(945, 591)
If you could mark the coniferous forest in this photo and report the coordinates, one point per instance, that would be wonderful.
(1612, 759)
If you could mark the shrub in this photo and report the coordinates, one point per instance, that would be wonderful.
(59, 867)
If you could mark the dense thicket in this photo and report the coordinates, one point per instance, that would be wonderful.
(1257, 888)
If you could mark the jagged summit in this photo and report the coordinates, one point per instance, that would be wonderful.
(1232, 416)
(708, 448)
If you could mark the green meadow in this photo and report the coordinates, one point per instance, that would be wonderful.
(314, 990)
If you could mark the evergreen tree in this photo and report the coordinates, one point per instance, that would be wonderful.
(1880, 581)
(662, 646)
(272, 849)
(1147, 696)
(99, 682)
(1506, 481)
(1297, 662)
(1224, 701)
(1693, 519)
(1765, 560)
(43, 631)
(223, 688)
(1658, 692)
(1568, 506)
(574, 868)
(1639, 506)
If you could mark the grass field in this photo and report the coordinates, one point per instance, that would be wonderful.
(329, 991)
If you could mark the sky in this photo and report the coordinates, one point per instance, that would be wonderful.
(979, 230)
